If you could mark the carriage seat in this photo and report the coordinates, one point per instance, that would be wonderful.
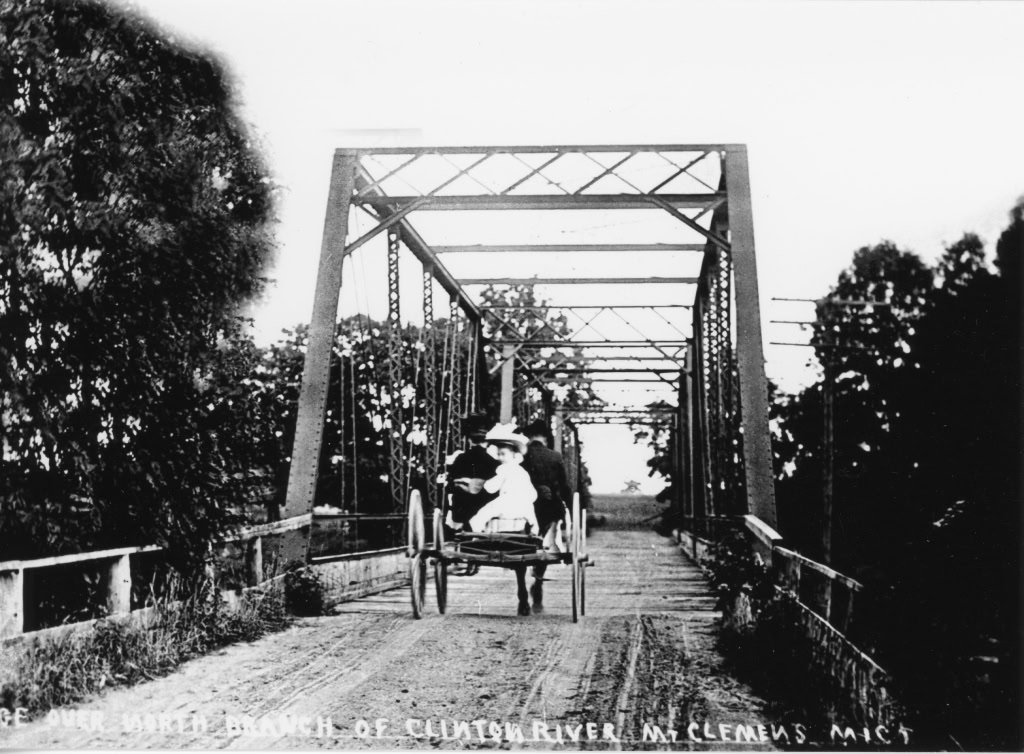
(502, 525)
(502, 535)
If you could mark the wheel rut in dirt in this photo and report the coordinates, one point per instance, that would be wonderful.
(643, 654)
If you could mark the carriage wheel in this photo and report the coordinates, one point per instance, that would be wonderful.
(440, 565)
(414, 549)
(583, 566)
(418, 576)
(416, 534)
(575, 550)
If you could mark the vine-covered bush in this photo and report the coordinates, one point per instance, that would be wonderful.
(737, 573)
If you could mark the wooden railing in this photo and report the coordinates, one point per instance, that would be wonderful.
(343, 534)
(823, 590)
(17, 602)
(828, 593)
(823, 605)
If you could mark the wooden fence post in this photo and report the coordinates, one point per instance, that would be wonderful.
(826, 599)
(119, 586)
(790, 573)
(254, 561)
(12, 603)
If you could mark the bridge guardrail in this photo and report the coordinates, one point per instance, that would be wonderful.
(17, 608)
(824, 600)
(823, 590)
(348, 533)
(828, 593)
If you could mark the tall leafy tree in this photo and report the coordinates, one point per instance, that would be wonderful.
(658, 435)
(354, 456)
(133, 224)
(524, 323)
(861, 337)
(927, 397)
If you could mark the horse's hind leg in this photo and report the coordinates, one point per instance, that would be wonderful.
(537, 590)
(524, 597)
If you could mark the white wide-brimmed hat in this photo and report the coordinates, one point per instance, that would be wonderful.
(504, 434)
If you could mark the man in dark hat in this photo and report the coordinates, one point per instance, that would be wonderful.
(547, 472)
(470, 469)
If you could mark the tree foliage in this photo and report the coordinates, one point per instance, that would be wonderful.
(524, 323)
(354, 455)
(926, 506)
(925, 367)
(354, 458)
(921, 385)
(657, 433)
(133, 224)
(862, 337)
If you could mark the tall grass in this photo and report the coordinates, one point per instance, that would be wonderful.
(67, 668)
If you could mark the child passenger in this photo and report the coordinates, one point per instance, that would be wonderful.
(516, 494)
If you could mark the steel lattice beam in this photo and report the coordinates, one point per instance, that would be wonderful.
(591, 343)
(432, 450)
(592, 370)
(562, 248)
(580, 281)
(548, 307)
(420, 249)
(600, 378)
(464, 203)
(396, 428)
(455, 383)
(545, 149)
(639, 358)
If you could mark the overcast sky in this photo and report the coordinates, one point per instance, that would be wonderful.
(864, 120)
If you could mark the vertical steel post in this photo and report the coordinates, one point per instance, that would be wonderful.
(508, 371)
(556, 430)
(309, 427)
(689, 489)
(466, 358)
(396, 431)
(680, 468)
(472, 400)
(479, 366)
(431, 450)
(458, 338)
(703, 501)
(576, 480)
(757, 449)
(713, 387)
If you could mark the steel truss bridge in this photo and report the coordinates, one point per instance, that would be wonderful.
(656, 294)
(610, 284)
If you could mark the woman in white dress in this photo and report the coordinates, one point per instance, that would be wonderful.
(516, 493)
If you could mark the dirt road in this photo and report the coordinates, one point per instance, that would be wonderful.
(478, 677)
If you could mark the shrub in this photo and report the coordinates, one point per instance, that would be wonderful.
(304, 591)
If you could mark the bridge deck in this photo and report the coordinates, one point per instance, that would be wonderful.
(643, 654)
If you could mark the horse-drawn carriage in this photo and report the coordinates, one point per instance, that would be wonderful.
(504, 545)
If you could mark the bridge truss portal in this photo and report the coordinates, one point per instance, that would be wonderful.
(643, 256)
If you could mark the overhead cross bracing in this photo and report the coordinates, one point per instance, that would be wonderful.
(627, 269)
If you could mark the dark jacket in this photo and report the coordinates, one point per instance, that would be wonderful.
(547, 472)
(475, 463)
